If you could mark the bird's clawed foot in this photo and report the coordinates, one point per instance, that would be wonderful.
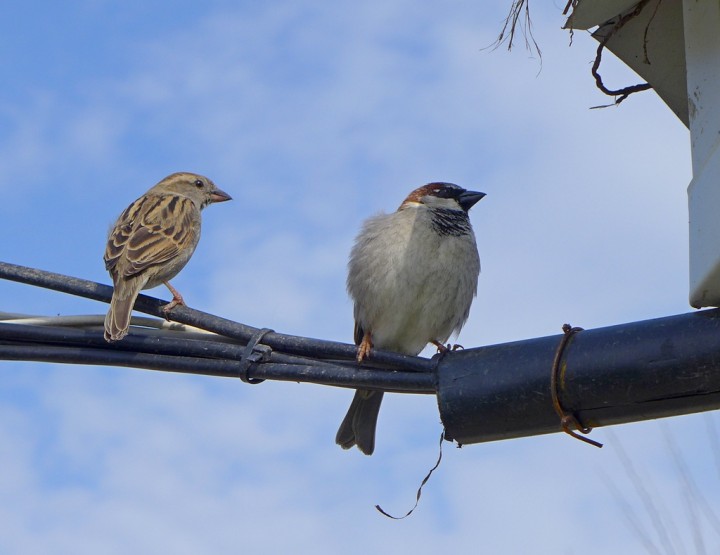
(445, 348)
(363, 350)
(176, 300)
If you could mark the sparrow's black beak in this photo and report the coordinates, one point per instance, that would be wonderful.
(467, 199)
(219, 196)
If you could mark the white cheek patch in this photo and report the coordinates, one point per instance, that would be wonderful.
(437, 202)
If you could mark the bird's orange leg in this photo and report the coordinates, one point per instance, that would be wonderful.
(176, 300)
(363, 350)
(440, 347)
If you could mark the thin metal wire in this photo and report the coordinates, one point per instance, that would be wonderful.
(567, 419)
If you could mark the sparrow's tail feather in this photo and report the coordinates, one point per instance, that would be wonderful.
(358, 426)
(117, 320)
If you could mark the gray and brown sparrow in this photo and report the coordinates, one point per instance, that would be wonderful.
(152, 241)
(412, 276)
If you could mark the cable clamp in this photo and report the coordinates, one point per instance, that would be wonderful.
(254, 353)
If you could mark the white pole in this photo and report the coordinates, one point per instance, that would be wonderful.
(702, 54)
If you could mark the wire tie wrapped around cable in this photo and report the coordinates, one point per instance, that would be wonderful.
(254, 353)
(567, 419)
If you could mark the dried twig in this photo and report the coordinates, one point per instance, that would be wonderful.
(519, 15)
(623, 93)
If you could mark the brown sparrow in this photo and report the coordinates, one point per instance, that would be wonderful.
(152, 241)
(412, 276)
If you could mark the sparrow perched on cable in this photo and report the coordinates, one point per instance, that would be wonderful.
(152, 241)
(412, 276)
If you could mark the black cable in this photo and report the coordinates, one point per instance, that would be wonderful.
(140, 342)
(341, 376)
(289, 344)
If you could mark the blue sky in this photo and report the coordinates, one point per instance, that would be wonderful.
(313, 117)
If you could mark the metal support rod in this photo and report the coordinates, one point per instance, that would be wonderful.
(625, 373)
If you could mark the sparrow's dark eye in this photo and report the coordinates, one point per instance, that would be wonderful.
(448, 191)
(199, 184)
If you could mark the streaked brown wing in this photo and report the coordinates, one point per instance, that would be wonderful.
(152, 234)
(121, 232)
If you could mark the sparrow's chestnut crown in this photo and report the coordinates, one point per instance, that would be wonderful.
(465, 199)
